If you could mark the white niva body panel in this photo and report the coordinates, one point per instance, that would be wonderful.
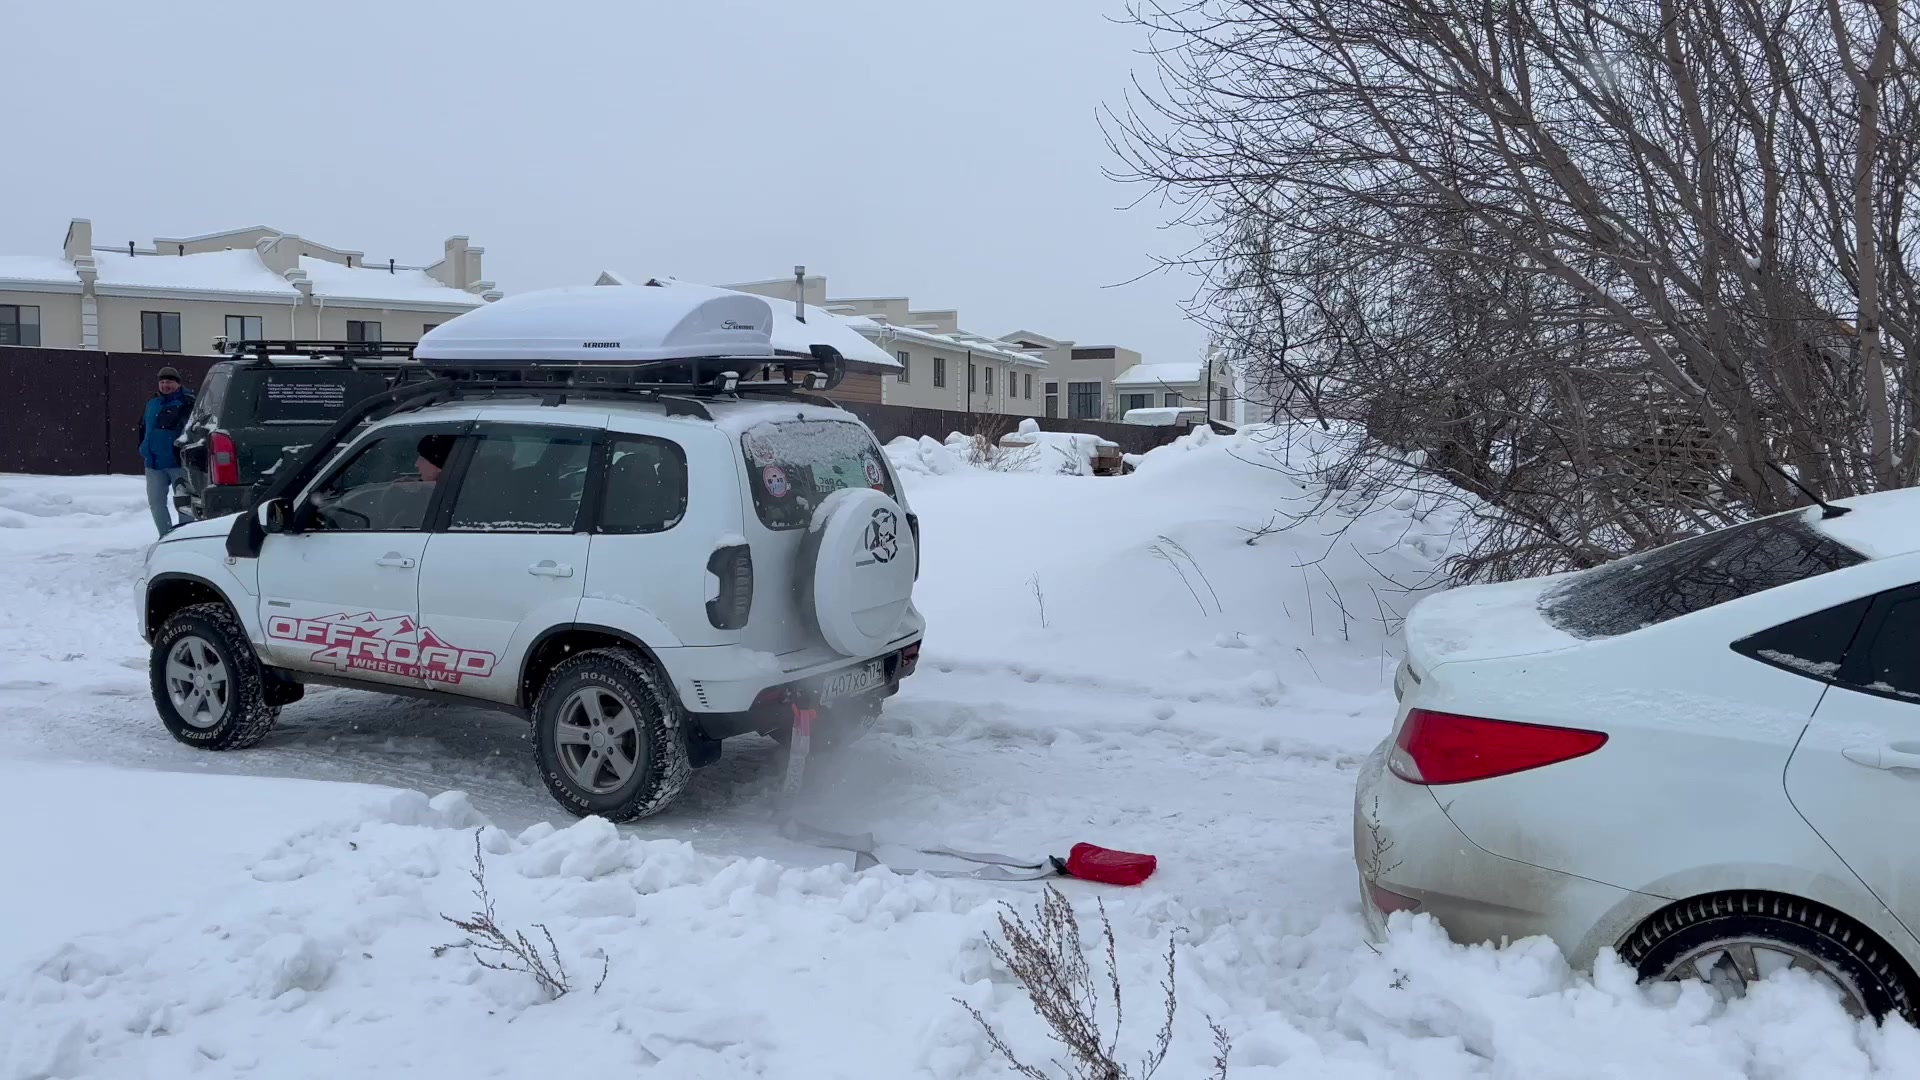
(1726, 765)
(451, 591)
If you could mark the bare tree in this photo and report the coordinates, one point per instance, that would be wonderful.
(1595, 262)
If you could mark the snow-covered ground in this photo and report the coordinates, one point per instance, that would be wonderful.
(1109, 660)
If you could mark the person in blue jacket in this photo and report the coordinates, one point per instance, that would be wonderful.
(165, 418)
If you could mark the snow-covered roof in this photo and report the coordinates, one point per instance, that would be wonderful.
(238, 272)
(982, 347)
(788, 334)
(1180, 374)
(618, 323)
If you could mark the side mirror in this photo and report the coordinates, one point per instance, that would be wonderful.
(272, 515)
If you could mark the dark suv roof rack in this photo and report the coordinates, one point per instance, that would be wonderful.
(348, 353)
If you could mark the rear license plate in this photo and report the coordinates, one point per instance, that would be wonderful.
(853, 681)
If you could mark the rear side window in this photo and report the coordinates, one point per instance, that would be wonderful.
(1892, 663)
(1813, 645)
(646, 486)
(1693, 575)
(523, 481)
(213, 394)
(794, 465)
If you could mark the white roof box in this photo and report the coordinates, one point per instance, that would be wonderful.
(588, 324)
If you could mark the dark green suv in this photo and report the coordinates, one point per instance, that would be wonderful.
(251, 413)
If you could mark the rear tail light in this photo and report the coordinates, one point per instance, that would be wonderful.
(909, 660)
(913, 526)
(733, 567)
(1442, 748)
(223, 461)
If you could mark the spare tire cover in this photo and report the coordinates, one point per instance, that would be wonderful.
(860, 575)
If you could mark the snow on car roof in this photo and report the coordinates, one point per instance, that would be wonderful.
(1882, 525)
(607, 323)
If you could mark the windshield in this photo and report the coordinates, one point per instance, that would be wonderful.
(794, 465)
(1693, 575)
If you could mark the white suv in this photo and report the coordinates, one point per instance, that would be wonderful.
(562, 517)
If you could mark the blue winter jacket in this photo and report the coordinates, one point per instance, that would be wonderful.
(166, 417)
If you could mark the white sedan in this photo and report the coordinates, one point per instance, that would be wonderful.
(1706, 757)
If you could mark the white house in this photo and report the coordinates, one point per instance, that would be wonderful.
(179, 294)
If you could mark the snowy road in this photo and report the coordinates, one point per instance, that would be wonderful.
(1108, 661)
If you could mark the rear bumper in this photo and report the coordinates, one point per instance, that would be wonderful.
(722, 685)
(221, 501)
(1411, 856)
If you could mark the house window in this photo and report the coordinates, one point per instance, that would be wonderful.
(245, 328)
(1092, 354)
(973, 378)
(19, 324)
(1053, 399)
(363, 331)
(1137, 401)
(427, 328)
(1028, 379)
(988, 381)
(1013, 384)
(160, 331)
(906, 366)
(1174, 401)
(1083, 401)
(939, 371)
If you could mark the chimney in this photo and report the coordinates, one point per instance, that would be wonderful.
(800, 293)
(452, 271)
(79, 243)
(474, 276)
(280, 253)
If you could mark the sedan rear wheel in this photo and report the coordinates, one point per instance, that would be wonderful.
(1731, 941)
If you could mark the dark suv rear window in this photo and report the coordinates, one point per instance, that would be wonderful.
(794, 465)
(1693, 575)
(294, 396)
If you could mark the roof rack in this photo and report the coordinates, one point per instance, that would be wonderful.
(349, 353)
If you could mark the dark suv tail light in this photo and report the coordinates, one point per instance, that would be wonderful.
(223, 461)
(1442, 748)
(734, 567)
(913, 526)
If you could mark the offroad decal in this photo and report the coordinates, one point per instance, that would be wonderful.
(775, 478)
(365, 642)
(876, 478)
(883, 535)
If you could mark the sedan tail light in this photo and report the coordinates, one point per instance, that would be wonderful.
(1444, 748)
(223, 460)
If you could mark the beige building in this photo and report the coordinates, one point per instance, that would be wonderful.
(1080, 377)
(180, 294)
(1187, 384)
(941, 365)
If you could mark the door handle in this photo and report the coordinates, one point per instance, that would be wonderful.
(1882, 757)
(393, 558)
(549, 568)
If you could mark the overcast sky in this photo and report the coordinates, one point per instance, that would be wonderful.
(948, 152)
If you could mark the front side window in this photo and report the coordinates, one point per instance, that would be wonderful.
(387, 486)
(363, 331)
(245, 328)
(523, 481)
(160, 331)
(646, 486)
(794, 465)
(19, 324)
(1693, 575)
(906, 366)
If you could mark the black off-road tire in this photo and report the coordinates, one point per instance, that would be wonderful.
(662, 725)
(247, 717)
(1885, 983)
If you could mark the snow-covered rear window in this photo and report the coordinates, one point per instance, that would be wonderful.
(794, 465)
(1693, 575)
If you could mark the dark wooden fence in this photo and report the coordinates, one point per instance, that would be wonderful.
(73, 412)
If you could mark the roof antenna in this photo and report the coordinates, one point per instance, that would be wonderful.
(1827, 509)
(800, 293)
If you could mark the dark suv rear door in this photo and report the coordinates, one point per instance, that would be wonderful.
(269, 410)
